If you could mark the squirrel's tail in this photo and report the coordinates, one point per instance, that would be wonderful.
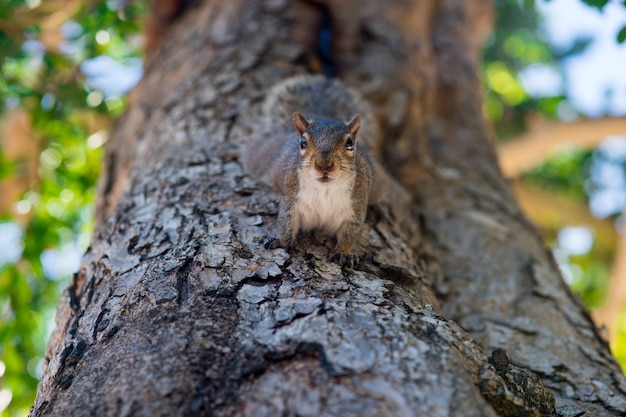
(261, 155)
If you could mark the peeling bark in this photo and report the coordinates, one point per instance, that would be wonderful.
(179, 310)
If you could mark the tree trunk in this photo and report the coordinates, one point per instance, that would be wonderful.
(179, 310)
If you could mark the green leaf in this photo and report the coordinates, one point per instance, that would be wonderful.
(621, 35)
(599, 4)
(7, 167)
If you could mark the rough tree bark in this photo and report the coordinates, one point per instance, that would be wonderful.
(179, 310)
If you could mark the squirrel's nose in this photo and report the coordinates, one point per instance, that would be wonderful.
(324, 166)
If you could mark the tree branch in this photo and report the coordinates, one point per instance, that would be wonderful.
(532, 148)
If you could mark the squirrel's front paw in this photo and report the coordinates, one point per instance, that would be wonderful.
(271, 242)
(346, 259)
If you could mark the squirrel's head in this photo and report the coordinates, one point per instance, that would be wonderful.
(327, 147)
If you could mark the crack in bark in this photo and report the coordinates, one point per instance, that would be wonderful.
(182, 278)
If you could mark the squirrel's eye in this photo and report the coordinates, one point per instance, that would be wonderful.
(349, 144)
(302, 142)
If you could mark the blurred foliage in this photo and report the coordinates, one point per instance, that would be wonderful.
(565, 172)
(596, 3)
(41, 75)
(580, 176)
(590, 278)
(515, 44)
(618, 344)
(621, 35)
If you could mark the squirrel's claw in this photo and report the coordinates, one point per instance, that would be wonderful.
(271, 242)
(349, 260)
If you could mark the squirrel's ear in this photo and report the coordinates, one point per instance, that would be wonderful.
(354, 124)
(299, 123)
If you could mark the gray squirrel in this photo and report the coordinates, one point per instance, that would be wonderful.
(310, 152)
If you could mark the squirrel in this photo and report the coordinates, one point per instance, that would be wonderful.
(309, 151)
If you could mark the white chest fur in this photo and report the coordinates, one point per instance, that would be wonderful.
(324, 206)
